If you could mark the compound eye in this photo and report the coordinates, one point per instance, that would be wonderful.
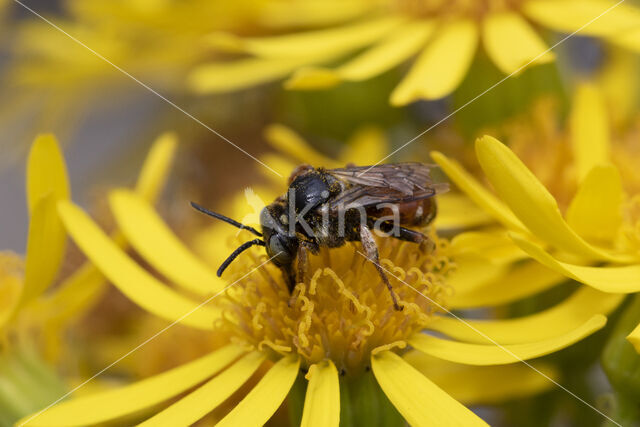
(279, 251)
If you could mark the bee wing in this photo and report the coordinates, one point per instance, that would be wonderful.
(403, 177)
(385, 183)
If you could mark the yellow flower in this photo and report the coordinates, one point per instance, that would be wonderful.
(156, 41)
(338, 330)
(34, 313)
(371, 37)
(27, 304)
(595, 237)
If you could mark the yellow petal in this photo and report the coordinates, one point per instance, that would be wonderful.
(529, 199)
(511, 42)
(384, 55)
(332, 41)
(634, 338)
(557, 320)
(521, 281)
(589, 130)
(388, 53)
(442, 65)
(137, 284)
(607, 279)
(156, 167)
(111, 404)
(224, 77)
(45, 248)
(46, 171)
(616, 82)
(570, 15)
(494, 246)
(473, 273)
(322, 401)
(595, 211)
(265, 398)
(287, 141)
(483, 355)
(365, 147)
(279, 164)
(159, 246)
(312, 78)
(477, 192)
(10, 291)
(286, 14)
(84, 287)
(47, 183)
(74, 295)
(420, 401)
(629, 40)
(458, 211)
(204, 399)
(484, 385)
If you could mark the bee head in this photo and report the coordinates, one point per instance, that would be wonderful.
(281, 246)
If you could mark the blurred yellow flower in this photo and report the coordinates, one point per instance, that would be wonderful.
(155, 40)
(595, 237)
(33, 312)
(57, 82)
(374, 36)
(24, 282)
(337, 326)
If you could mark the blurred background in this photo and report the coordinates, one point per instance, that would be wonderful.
(106, 120)
(106, 114)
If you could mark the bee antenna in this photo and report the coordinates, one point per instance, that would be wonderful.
(237, 252)
(225, 219)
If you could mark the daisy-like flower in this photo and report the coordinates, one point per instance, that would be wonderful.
(591, 236)
(24, 281)
(375, 36)
(33, 312)
(47, 184)
(338, 347)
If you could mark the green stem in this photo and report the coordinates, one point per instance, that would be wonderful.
(621, 363)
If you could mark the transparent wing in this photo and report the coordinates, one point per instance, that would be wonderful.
(385, 183)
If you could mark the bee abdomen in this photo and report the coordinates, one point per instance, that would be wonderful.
(416, 213)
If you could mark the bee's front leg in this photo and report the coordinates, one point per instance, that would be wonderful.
(302, 263)
(303, 258)
(371, 250)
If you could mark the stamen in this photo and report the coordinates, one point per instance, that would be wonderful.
(342, 310)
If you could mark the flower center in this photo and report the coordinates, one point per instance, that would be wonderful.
(454, 8)
(342, 310)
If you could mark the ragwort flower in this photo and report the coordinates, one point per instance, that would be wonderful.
(36, 307)
(593, 236)
(375, 36)
(339, 326)
(47, 184)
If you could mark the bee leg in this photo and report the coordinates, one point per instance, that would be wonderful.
(402, 233)
(409, 235)
(371, 250)
(302, 263)
(301, 269)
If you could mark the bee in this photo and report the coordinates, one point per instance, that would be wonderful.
(329, 207)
